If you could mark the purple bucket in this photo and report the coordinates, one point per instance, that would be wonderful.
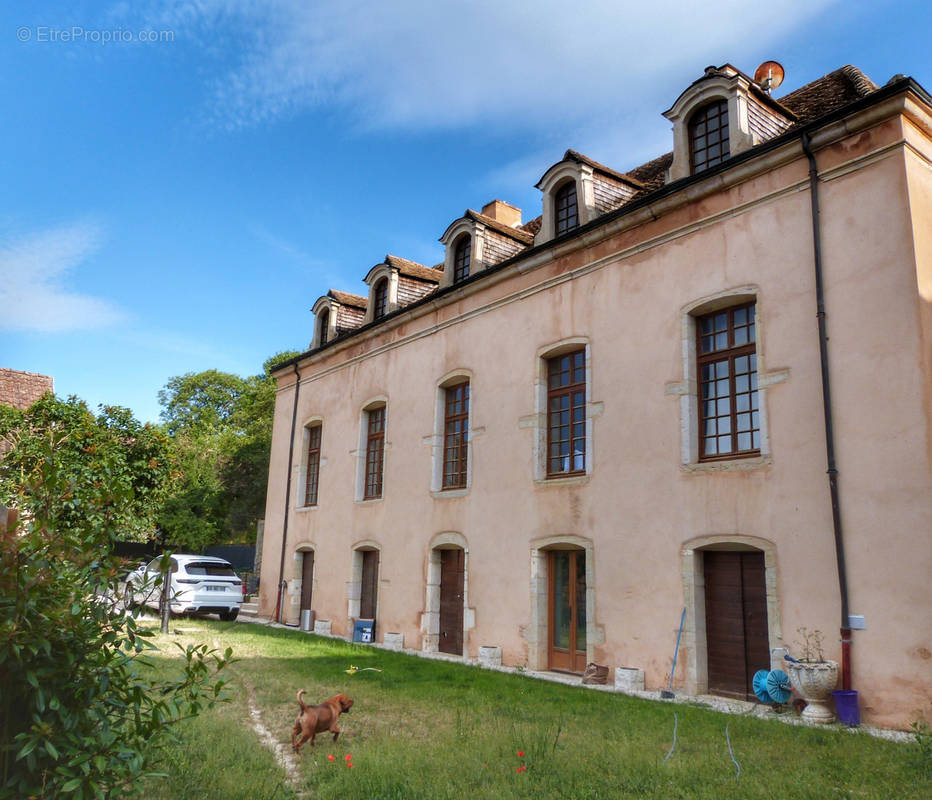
(846, 705)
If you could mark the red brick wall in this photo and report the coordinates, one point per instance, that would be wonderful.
(22, 389)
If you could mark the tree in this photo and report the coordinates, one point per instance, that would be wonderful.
(79, 716)
(221, 425)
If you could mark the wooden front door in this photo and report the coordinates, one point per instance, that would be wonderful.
(370, 584)
(452, 578)
(567, 610)
(307, 580)
(737, 637)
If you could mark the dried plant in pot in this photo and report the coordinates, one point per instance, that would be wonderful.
(814, 677)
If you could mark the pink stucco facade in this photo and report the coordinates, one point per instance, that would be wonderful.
(645, 510)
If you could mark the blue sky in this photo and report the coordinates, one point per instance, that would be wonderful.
(177, 205)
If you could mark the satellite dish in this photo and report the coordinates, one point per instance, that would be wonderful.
(769, 75)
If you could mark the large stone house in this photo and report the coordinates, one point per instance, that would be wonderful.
(703, 383)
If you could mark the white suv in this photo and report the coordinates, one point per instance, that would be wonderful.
(199, 585)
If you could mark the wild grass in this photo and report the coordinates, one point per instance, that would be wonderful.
(433, 729)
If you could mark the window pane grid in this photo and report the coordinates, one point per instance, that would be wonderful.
(455, 436)
(461, 259)
(324, 326)
(708, 136)
(381, 299)
(567, 215)
(375, 444)
(729, 414)
(566, 414)
(313, 465)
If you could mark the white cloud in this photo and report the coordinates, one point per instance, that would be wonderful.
(34, 290)
(414, 64)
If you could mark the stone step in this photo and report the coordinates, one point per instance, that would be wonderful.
(249, 608)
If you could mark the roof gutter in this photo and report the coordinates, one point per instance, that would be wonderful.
(280, 586)
(832, 471)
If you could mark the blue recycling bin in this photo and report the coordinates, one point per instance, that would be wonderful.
(364, 630)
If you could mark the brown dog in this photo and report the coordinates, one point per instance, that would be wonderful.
(315, 719)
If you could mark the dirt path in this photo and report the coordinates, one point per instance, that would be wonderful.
(283, 754)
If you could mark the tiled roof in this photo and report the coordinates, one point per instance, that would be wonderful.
(828, 93)
(22, 389)
(653, 174)
(347, 299)
(414, 270)
(531, 226)
(618, 176)
(501, 227)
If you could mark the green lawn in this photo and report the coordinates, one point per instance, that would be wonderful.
(431, 729)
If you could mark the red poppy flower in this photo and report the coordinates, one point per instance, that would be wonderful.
(522, 768)
(520, 754)
(348, 757)
(330, 758)
(349, 764)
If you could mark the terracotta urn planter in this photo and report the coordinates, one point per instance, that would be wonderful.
(815, 680)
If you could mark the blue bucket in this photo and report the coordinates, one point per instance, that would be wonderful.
(846, 705)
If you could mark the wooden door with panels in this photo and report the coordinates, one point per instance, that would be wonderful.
(369, 590)
(737, 636)
(307, 579)
(452, 582)
(566, 645)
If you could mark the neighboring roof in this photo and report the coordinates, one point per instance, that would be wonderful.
(22, 389)
(347, 299)
(532, 226)
(828, 93)
(653, 174)
(414, 270)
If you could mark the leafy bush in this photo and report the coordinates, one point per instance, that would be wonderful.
(79, 717)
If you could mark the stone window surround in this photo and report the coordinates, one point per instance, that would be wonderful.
(435, 440)
(538, 421)
(552, 182)
(430, 619)
(695, 652)
(360, 452)
(301, 467)
(537, 631)
(377, 273)
(734, 90)
(354, 585)
(687, 389)
(330, 305)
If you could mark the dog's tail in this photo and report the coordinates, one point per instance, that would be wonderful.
(300, 701)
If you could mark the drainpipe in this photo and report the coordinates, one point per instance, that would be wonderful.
(827, 410)
(281, 564)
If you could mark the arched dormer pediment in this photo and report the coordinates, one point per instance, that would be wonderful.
(749, 114)
(495, 235)
(576, 190)
(401, 281)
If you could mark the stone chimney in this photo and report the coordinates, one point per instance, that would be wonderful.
(503, 212)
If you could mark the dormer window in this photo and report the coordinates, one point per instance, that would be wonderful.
(380, 305)
(565, 209)
(461, 259)
(324, 327)
(708, 136)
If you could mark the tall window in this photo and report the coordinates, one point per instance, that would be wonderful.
(324, 327)
(455, 435)
(313, 465)
(375, 452)
(708, 136)
(381, 299)
(461, 259)
(565, 208)
(566, 413)
(729, 415)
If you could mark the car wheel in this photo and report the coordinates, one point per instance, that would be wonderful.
(229, 616)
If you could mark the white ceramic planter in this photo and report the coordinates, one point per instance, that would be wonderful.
(815, 680)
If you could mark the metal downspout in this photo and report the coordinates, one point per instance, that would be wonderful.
(281, 565)
(827, 410)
